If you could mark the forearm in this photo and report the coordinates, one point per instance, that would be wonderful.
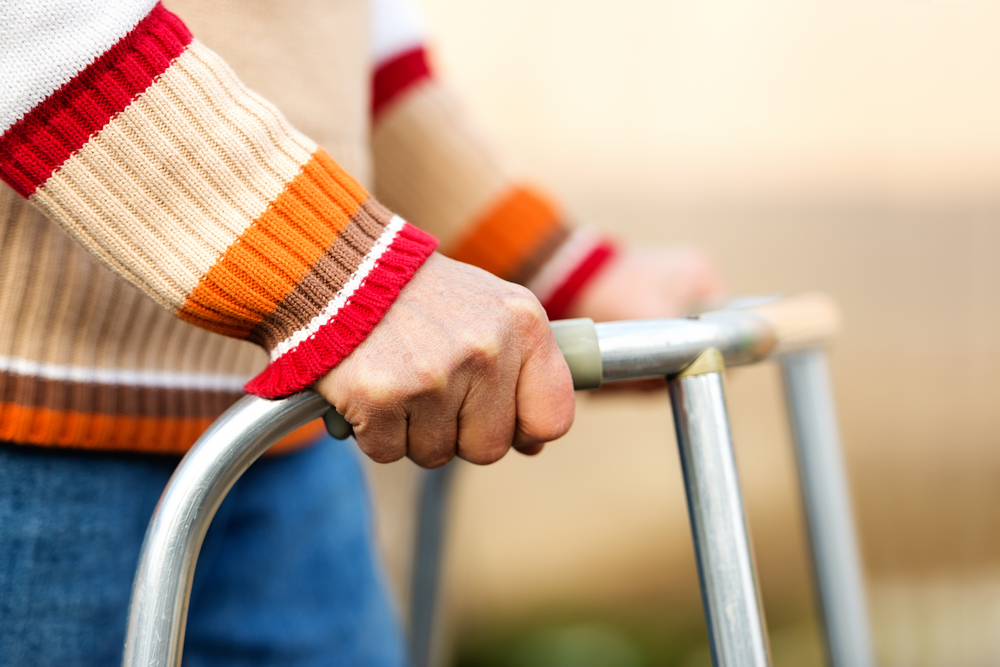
(143, 145)
(439, 168)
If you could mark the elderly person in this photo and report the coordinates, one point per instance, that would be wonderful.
(185, 220)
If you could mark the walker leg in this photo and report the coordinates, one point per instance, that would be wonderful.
(825, 494)
(425, 583)
(722, 547)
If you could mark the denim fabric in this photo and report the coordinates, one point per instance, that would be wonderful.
(287, 574)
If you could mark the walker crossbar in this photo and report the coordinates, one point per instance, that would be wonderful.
(691, 352)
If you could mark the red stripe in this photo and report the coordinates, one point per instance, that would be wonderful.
(303, 365)
(41, 141)
(558, 305)
(397, 75)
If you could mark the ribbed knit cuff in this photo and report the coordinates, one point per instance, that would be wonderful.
(304, 357)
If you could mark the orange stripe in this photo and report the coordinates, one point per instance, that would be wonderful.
(509, 233)
(265, 263)
(95, 431)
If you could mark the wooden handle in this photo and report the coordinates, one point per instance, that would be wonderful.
(801, 320)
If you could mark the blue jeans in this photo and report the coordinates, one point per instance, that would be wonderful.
(288, 574)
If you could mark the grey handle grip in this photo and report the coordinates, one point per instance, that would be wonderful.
(337, 425)
(577, 340)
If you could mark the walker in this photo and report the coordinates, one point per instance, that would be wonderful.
(692, 353)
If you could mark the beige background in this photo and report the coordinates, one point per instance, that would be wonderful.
(852, 147)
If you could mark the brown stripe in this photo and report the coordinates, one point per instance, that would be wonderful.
(110, 399)
(327, 276)
(542, 254)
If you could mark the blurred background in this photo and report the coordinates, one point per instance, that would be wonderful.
(851, 147)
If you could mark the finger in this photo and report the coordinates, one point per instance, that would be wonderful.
(545, 400)
(488, 419)
(381, 434)
(433, 430)
(531, 450)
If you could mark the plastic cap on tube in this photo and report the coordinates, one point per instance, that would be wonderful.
(577, 339)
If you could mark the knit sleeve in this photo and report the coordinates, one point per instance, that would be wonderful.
(436, 166)
(144, 146)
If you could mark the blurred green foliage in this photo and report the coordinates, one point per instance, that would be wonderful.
(602, 639)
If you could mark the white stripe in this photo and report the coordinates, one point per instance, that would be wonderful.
(563, 263)
(123, 376)
(396, 26)
(45, 43)
(346, 292)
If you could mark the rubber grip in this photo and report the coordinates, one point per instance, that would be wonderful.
(577, 340)
(337, 426)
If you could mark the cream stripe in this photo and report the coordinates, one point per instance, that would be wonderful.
(565, 260)
(123, 376)
(163, 189)
(434, 165)
(346, 292)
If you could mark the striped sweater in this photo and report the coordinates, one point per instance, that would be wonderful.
(170, 239)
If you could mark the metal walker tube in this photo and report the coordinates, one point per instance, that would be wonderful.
(826, 498)
(737, 637)
(162, 586)
(608, 352)
(425, 582)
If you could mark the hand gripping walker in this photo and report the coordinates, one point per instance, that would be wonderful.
(692, 353)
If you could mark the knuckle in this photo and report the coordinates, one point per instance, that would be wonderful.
(482, 349)
(428, 377)
(522, 305)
